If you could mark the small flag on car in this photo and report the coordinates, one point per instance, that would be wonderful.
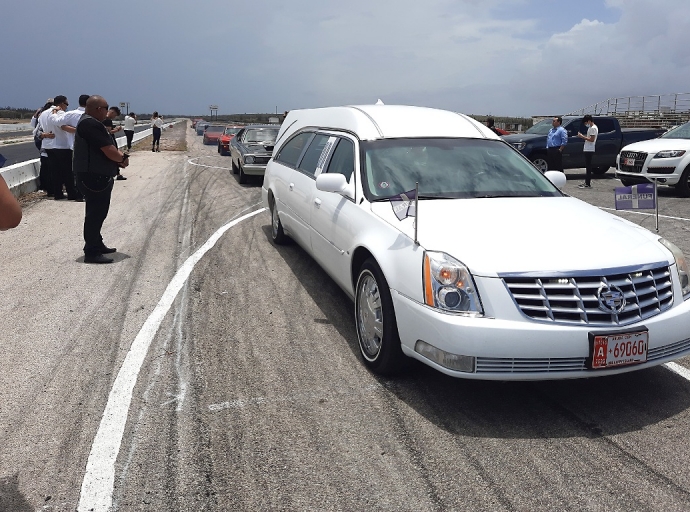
(404, 204)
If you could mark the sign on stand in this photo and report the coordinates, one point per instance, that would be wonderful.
(638, 197)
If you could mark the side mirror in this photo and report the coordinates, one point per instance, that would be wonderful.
(334, 182)
(557, 178)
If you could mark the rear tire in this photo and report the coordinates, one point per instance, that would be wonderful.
(541, 163)
(377, 329)
(277, 233)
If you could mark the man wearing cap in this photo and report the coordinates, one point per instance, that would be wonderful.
(96, 162)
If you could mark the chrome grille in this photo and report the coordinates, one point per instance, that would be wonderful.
(639, 158)
(575, 299)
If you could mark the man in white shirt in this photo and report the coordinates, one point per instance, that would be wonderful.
(130, 121)
(59, 150)
(590, 145)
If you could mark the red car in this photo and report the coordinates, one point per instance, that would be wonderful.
(225, 138)
(212, 133)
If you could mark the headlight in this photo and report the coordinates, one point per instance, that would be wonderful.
(519, 145)
(681, 265)
(670, 153)
(249, 159)
(448, 285)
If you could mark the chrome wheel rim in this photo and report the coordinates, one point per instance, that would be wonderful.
(541, 164)
(369, 316)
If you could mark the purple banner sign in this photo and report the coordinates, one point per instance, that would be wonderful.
(637, 197)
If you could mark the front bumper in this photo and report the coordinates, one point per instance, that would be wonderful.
(519, 349)
(254, 169)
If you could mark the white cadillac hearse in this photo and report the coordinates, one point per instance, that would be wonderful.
(458, 252)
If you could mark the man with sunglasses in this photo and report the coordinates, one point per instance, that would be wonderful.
(96, 163)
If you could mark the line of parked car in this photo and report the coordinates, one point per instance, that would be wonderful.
(250, 147)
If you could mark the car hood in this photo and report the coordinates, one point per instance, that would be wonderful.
(546, 235)
(521, 137)
(656, 145)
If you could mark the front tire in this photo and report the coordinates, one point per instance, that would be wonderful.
(541, 163)
(243, 176)
(598, 171)
(683, 187)
(377, 329)
(234, 167)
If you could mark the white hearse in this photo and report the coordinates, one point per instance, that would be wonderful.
(458, 252)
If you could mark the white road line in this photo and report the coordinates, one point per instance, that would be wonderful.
(191, 162)
(645, 213)
(680, 370)
(97, 486)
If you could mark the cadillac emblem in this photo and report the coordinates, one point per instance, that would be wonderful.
(611, 299)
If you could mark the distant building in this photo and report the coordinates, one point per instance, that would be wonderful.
(274, 120)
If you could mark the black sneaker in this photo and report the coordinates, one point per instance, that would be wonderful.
(584, 185)
(120, 177)
(97, 258)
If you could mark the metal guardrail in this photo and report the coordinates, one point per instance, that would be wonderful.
(662, 110)
(22, 178)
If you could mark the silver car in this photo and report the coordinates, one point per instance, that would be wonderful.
(251, 149)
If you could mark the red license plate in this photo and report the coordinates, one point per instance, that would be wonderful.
(629, 161)
(611, 350)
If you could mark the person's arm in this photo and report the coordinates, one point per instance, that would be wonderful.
(564, 139)
(10, 211)
(68, 128)
(116, 155)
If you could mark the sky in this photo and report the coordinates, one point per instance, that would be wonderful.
(483, 57)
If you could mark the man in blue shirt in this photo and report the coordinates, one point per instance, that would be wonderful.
(556, 140)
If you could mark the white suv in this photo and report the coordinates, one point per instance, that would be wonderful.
(667, 159)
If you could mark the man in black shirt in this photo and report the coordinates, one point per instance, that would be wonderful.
(113, 112)
(95, 164)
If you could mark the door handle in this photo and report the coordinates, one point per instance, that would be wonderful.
(291, 186)
(317, 202)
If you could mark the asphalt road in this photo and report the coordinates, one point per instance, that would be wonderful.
(252, 395)
(17, 152)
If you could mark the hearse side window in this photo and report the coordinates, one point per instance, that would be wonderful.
(343, 159)
(311, 158)
(291, 151)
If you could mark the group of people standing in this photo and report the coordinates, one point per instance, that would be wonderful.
(79, 152)
(54, 129)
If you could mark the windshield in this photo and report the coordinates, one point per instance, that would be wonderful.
(679, 132)
(541, 128)
(450, 168)
(261, 135)
(215, 128)
(232, 131)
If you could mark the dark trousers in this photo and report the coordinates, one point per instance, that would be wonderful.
(156, 137)
(97, 190)
(44, 176)
(61, 167)
(555, 159)
(130, 135)
(588, 166)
